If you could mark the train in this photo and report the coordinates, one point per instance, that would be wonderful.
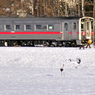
(46, 31)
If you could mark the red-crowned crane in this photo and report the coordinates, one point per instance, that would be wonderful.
(62, 69)
(76, 62)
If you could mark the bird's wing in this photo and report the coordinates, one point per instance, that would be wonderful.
(74, 62)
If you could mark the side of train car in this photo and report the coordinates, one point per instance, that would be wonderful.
(47, 31)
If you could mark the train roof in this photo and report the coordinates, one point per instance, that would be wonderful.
(39, 18)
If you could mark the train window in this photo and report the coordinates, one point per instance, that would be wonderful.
(82, 25)
(74, 25)
(44, 27)
(8, 27)
(92, 24)
(28, 27)
(50, 27)
(0, 27)
(87, 25)
(66, 26)
(38, 27)
(18, 27)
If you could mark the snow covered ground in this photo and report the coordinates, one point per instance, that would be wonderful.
(36, 71)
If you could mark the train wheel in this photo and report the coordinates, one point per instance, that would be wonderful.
(54, 44)
(73, 44)
(67, 45)
(2, 43)
(12, 43)
(46, 44)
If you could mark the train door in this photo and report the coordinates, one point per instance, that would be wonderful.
(88, 29)
(65, 29)
(74, 30)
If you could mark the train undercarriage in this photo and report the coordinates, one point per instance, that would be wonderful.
(44, 43)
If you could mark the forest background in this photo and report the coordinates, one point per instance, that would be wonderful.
(48, 8)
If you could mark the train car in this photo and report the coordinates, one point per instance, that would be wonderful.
(46, 31)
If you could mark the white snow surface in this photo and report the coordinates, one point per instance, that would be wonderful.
(36, 71)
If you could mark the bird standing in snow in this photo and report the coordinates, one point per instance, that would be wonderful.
(62, 69)
(76, 62)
